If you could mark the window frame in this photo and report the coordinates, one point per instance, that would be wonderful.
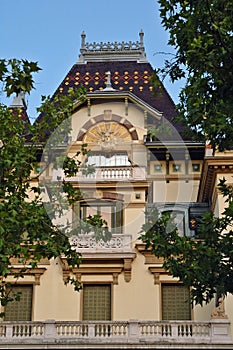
(189, 308)
(117, 211)
(176, 207)
(19, 303)
(97, 284)
(109, 159)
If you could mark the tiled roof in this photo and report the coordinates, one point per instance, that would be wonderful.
(127, 74)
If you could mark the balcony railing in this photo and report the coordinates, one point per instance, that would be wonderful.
(122, 333)
(117, 243)
(107, 173)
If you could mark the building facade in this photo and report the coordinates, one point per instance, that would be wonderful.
(142, 159)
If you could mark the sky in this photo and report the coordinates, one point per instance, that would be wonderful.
(49, 32)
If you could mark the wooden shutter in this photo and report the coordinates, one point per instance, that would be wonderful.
(97, 302)
(175, 302)
(19, 310)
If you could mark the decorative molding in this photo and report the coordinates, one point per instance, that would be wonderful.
(150, 258)
(107, 117)
(87, 243)
(156, 278)
(36, 272)
(157, 271)
(127, 269)
(101, 264)
(126, 106)
(211, 167)
(25, 269)
(15, 261)
(132, 50)
(89, 107)
(219, 311)
(97, 270)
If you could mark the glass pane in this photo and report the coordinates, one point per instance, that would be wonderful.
(111, 212)
(178, 218)
(97, 302)
(179, 221)
(20, 310)
(106, 215)
(109, 159)
(175, 302)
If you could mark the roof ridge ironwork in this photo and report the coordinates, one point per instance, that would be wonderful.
(114, 51)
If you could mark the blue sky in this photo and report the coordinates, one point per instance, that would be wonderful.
(49, 32)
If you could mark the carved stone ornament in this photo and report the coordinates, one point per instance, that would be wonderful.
(219, 311)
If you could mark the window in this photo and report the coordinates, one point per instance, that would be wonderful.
(97, 302)
(176, 168)
(178, 217)
(110, 211)
(175, 302)
(108, 159)
(19, 310)
(179, 214)
(157, 168)
(196, 167)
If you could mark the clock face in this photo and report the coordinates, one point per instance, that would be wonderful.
(107, 134)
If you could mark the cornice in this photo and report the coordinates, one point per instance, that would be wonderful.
(211, 167)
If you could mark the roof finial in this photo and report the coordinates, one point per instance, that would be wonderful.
(83, 36)
(141, 35)
(108, 83)
(19, 101)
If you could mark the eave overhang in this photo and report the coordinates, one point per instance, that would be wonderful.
(175, 144)
(123, 96)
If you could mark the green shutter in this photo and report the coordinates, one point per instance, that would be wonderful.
(19, 310)
(175, 302)
(97, 302)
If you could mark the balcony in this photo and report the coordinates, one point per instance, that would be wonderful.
(119, 243)
(107, 173)
(120, 334)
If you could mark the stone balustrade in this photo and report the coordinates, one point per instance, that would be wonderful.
(108, 173)
(124, 334)
(87, 242)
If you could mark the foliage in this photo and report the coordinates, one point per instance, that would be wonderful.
(28, 232)
(203, 262)
(16, 75)
(159, 133)
(201, 33)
